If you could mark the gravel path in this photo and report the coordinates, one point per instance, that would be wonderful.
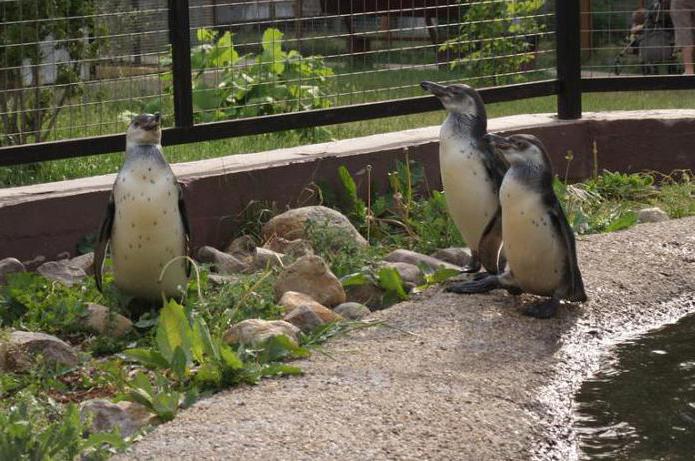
(463, 377)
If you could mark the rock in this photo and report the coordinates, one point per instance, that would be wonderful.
(101, 320)
(410, 273)
(412, 257)
(291, 224)
(653, 214)
(244, 245)
(104, 416)
(61, 272)
(292, 300)
(456, 256)
(267, 258)
(310, 275)
(368, 294)
(352, 310)
(9, 266)
(20, 352)
(216, 279)
(255, 331)
(84, 262)
(293, 248)
(222, 262)
(304, 318)
(32, 264)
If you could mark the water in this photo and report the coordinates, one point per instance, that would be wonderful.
(641, 405)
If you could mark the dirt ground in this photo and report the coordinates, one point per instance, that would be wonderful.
(459, 377)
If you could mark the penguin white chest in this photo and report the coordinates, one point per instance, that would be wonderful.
(534, 250)
(147, 231)
(469, 191)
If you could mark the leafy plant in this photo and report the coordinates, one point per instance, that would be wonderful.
(160, 397)
(386, 278)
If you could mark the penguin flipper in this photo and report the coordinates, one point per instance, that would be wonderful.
(574, 291)
(186, 228)
(103, 241)
(495, 164)
(490, 245)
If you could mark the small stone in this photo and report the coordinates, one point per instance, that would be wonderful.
(222, 262)
(84, 262)
(352, 310)
(292, 223)
(61, 272)
(244, 245)
(267, 258)
(410, 273)
(101, 320)
(454, 255)
(20, 352)
(368, 294)
(218, 280)
(254, 332)
(310, 275)
(412, 257)
(9, 266)
(304, 318)
(653, 214)
(292, 300)
(104, 416)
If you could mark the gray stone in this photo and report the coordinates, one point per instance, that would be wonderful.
(21, 350)
(412, 257)
(9, 266)
(35, 262)
(291, 224)
(59, 271)
(293, 248)
(256, 331)
(292, 300)
(368, 294)
(410, 273)
(304, 318)
(221, 262)
(218, 280)
(84, 262)
(310, 275)
(101, 320)
(267, 258)
(653, 214)
(244, 245)
(104, 416)
(454, 255)
(352, 310)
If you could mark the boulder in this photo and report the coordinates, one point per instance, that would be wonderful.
(267, 258)
(104, 416)
(60, 271)
(304, 318)
(293, 248)
(412, 257)
(310, 275)
(410, 273)
(244, 245)
(653, 214)
(20, 351)
(352, 310)
(9, 266)
(291, 224)
(256, 331)
(292, 300)
(454, 255)
(221, 262)
(101, 320)
(84, 262)
(35, 262)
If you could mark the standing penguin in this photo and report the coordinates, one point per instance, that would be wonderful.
(472, 173)
(538, 241)
(146, 220)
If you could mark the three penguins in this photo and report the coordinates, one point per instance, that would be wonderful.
(530, 226)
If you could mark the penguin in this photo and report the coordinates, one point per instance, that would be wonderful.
(472, 173)
(538, 241)
(146, 223)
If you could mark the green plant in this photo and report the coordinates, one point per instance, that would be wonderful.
(493, 41)
(160, 396)
(386, 278)
(338, 248)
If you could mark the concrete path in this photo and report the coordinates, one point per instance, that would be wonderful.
(473, 379)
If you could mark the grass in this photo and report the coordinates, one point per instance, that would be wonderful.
(110, 163)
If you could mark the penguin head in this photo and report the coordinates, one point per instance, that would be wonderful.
(521, 149)
(145, 129)
(458, 98)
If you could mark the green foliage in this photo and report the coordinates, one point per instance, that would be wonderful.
(635, 187)
(338, 248)
(270, 82)
(386, 278)
(492, 39)
(160, 396)
(28, 432)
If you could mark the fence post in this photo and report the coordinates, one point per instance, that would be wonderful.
(180, 39)
(568, 45)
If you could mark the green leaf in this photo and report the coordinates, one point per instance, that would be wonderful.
(279, 348)
(442, 274)
(390, 280)
(624, 221)
(148, 357)
(202, 344)
(356, 279)
(279, 369)
(173, 331)
(229, 358)
(178, 364)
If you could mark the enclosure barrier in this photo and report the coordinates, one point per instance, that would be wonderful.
(556, 69)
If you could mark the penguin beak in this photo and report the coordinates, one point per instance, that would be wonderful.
(434, 88)
(498, 141)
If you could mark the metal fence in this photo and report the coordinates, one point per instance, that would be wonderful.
(72, 72)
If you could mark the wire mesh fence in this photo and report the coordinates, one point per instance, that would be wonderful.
(634, 37)
(78, 68)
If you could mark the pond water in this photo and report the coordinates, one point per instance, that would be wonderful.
(641, 404)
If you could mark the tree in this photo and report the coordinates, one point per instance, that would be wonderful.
(42, 47)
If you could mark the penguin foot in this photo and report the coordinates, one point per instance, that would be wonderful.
(483, 285)
(543, 310)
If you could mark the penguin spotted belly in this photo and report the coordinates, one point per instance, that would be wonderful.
(534, 251)
(147, 231)
(468, 190)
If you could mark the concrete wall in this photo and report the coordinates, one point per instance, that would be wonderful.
(48, 219)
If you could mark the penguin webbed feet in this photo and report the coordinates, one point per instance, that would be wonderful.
(477, 285)
(543, 310)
